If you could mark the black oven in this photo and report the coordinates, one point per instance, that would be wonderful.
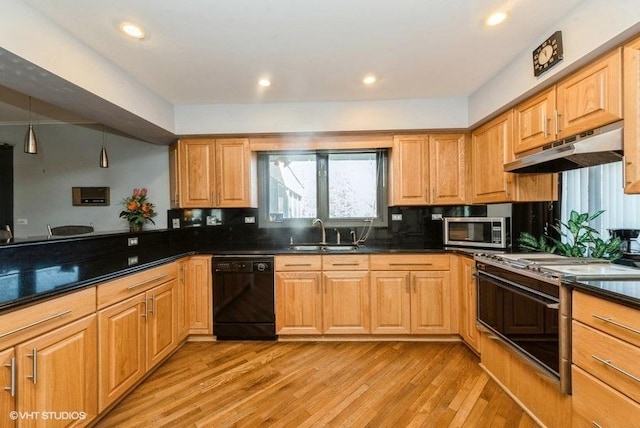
(524, 312)
(243, 298)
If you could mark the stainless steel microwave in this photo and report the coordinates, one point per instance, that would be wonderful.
(481, 232)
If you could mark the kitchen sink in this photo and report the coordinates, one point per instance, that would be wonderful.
(323, 247)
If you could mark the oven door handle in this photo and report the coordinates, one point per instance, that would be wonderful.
(517, 288)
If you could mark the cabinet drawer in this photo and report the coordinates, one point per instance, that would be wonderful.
(345, 262)
(410, 262)
(597, 404)
(620, 321)
(609, 359)
(298, 263)
(26, 323)
(130, 285)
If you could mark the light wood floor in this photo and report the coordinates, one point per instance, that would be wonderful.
(309, 384)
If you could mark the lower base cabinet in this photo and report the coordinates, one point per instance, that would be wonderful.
(468, 329)
(56, 374)
(136, 333)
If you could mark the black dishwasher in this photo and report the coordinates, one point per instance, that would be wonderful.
(243, 298)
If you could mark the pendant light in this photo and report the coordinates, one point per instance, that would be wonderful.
(104, 159)
(30, 141)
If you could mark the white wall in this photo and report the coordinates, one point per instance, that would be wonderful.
(442, 113)
(67, 157)
(595, 25)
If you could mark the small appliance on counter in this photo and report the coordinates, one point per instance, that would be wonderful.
(479, 232)
(629, 237)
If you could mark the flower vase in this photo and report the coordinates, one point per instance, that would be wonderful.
(135, 227)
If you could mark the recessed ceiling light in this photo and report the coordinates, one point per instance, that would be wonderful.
(369, 80)
(496, 19)
(132, 30)
(264, 82)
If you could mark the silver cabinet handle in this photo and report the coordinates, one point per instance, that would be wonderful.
(144, 314)
(34, 376)
(152, 309)
(33, 324)
(12, 387)
(617, 324)
(595, 424)
(545, 124)
(608, 363)
(147, 282)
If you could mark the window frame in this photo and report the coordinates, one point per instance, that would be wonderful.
(322, 195)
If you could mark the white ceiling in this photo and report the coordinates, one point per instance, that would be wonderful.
(214, 51)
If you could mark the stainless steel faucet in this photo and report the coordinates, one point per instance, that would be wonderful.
(324, 232)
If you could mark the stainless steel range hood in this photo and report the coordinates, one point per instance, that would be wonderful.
(599, 146)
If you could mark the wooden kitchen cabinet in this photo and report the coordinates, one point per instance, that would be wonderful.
(236, 182)
(447, 171)
(137, 324)
(631, 131)
(298, 294)
(412, 293)
(605, 351)
(427, 169)
(587, 99)
(57, 373)
(468, 304)
(489, 182)
(8, 378)
(183, 301)
(205, 173)
(346, 293)
(200, 295)
(196, 175)
(62, 332)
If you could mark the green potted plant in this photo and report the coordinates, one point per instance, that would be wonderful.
(576, 239)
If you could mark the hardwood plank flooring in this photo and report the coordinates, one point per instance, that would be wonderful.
(312, 384)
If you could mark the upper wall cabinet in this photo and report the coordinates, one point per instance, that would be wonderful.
(587, 99)
(632, 117)
(427, 169)
(212, 173)
(491, 147)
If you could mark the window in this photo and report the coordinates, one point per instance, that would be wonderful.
(600, 188)
(343, 188)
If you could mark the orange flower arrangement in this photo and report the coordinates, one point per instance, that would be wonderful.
(137, 209)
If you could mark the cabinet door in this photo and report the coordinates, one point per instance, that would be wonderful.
(534, 120)
(57, 372)
(346, 302)
(390, 302)
(121, 353)
(410, 170)
(298, 303)
(196, 173)
(174, 176)
(183, 322)
(234, 168)
(447, 168)
(8, 392)
(161, 322)
(431, 303)
(632, 117)
(488, 145)
(200, 291)
(468, 309)
(591, 97)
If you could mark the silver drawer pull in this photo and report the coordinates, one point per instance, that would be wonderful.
(617, 324)
(33, 324)
(345, 264)
(298, 264)
(410, 264)
(608, 363)
(34, 376)
(12, 387)
(147, 282)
